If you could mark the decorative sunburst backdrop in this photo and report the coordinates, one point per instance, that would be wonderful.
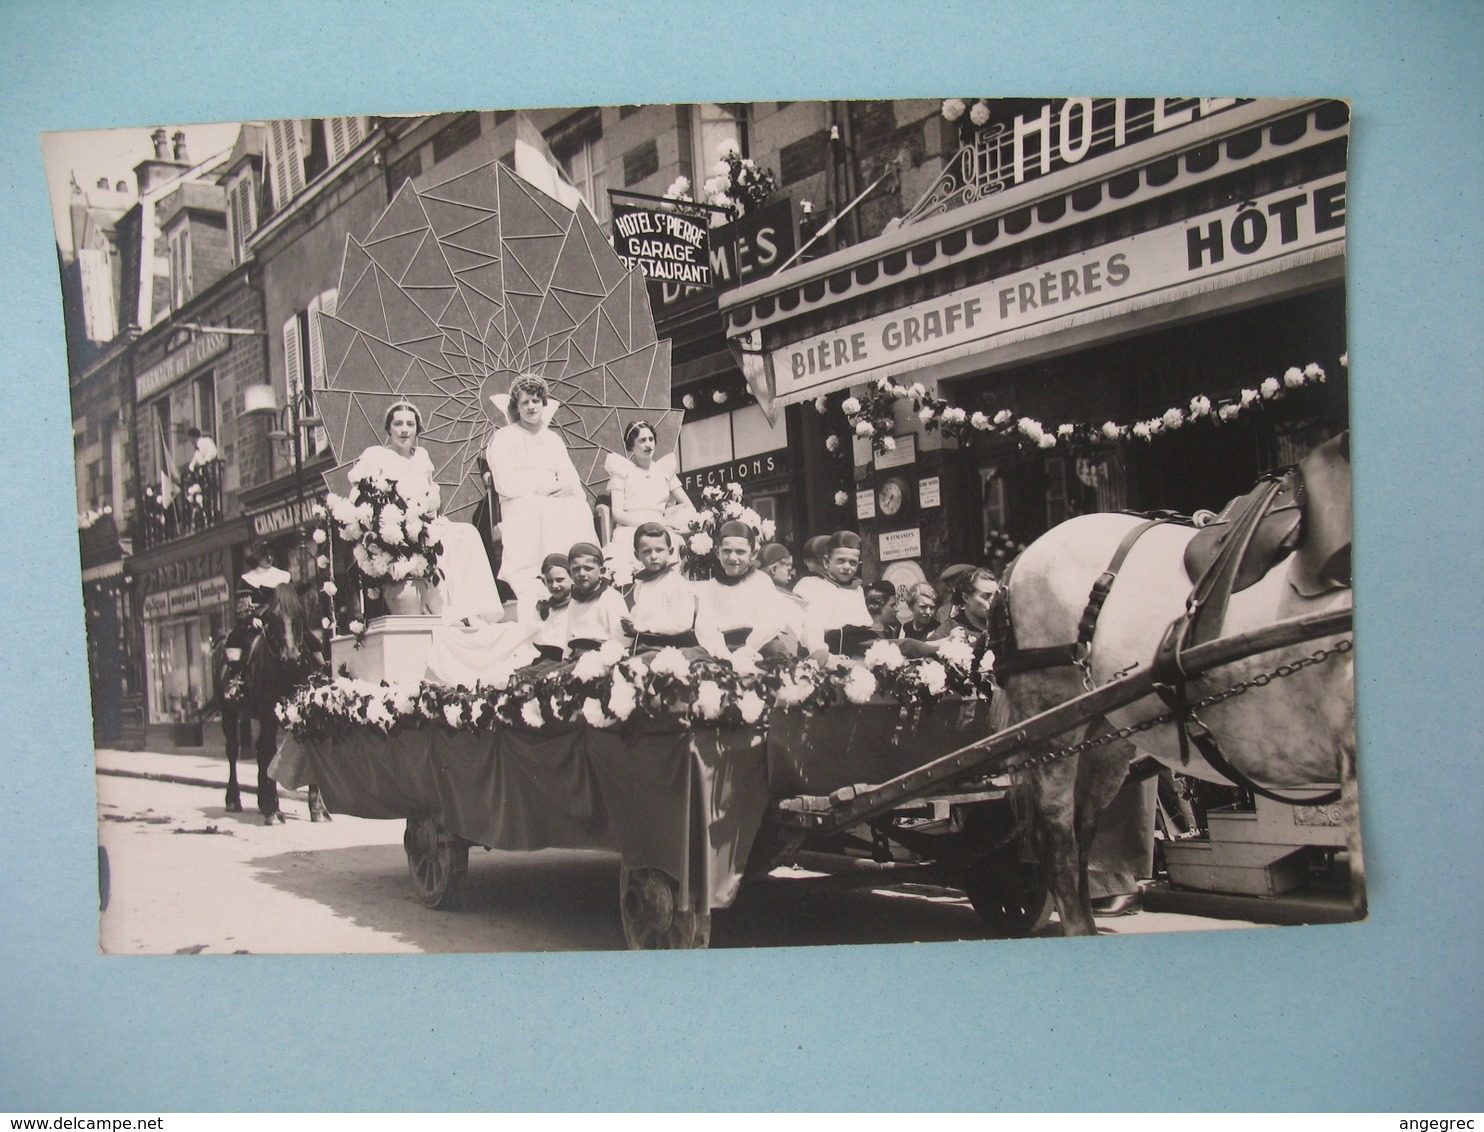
(459, 287)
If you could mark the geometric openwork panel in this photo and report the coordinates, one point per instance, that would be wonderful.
(459, 287)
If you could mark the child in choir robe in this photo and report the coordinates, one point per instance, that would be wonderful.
(840, 602)
(778, 564)
(813, 582)
(738, 616)
(596, 612)
(662, 606)
(551, 638)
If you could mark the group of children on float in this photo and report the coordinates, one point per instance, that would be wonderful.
(747, 610)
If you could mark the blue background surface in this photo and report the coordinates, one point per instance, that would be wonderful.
(1381, 1015)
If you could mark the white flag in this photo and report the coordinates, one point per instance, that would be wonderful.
(535, 163)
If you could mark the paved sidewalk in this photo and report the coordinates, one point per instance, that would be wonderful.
(188, 768)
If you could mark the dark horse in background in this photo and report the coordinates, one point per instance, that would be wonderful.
(1297, 732)
(276, 652)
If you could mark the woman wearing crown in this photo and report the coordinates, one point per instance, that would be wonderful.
(543, 508)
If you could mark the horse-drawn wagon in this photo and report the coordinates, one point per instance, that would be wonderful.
(696, 790)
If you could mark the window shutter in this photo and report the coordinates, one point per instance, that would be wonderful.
(285, 162)
(234, 237)
(335, 127)
(293, 357)
(343, 135)
(319, 377)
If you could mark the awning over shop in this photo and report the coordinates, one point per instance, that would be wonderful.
(1005, 268)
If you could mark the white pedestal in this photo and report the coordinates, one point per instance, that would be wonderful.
(395, 650)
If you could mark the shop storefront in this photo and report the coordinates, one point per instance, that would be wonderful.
(185, 606)
(1153, 278)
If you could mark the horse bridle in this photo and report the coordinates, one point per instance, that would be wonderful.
(1205, 610)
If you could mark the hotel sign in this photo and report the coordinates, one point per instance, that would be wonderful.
(196, 352)
(662, 243)
(1255, 238)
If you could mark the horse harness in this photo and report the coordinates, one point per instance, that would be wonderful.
(1250, 535)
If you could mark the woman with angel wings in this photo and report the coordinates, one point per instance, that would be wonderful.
(543, 508)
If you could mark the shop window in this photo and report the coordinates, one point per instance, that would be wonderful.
(730, 436)
(179, 666)
(706, 442)
(1058, 498)
(751, 433)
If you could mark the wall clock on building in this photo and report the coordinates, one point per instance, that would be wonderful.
(892, 497)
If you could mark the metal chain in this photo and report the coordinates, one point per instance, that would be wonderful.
(1262, 680)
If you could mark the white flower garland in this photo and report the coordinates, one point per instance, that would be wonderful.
(872, 416)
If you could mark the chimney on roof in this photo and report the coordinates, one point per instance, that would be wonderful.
(162, 145)
(180, 146)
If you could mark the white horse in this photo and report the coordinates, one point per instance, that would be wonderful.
(1296, 732)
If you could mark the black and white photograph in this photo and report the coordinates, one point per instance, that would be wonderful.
(715, 525)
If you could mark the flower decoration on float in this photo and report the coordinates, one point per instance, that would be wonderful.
(872, 414)
(719, 504)
(605, 689)
(393, 535)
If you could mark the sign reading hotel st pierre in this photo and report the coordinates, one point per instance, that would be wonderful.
(664, 244)
(1255, 238)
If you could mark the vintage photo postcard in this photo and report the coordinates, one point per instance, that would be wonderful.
(720, 524)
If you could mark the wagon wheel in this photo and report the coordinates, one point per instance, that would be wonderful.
(437, 860)
(651, 920)
(1008, 893)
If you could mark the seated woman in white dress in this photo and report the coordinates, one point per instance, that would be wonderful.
(643, 489)
(543, 507)
(467, 587)
(472, 643)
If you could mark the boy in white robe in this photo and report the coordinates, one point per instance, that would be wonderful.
(738, 617)
(840, 602)
(662, 606)
(596, 613)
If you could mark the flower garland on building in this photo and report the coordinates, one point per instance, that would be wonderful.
(606, 689)
(736, 183)
(872, 414)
